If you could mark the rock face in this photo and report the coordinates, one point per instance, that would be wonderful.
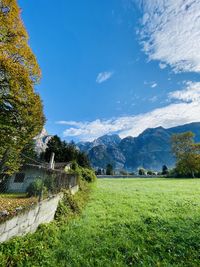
(150, 150)
(41, 141)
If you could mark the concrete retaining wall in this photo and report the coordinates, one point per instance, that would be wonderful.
(29, 221)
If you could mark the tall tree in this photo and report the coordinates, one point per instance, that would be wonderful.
(109, 169)
(21, 111)
(164, 170)
(65, 152)
(187, 154)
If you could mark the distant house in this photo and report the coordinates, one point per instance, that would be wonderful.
(20, 181)
(66, 166)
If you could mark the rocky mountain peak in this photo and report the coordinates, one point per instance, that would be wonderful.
(151, 149)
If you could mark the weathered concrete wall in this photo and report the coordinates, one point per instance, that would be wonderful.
(29, 221)
(32, 173)
(30, 176)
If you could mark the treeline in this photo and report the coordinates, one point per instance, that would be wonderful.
(65, 152)
(187, 156)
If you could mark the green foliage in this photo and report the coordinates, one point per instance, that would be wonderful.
(99, 171)
(88, 175)
(109, 169)
(50, 182)
(165, 170)
(124, 172)
(85, 174)
(187, 154)
(28, 152)
(65, 152)
(35, 188)
(19, 104)
(141, 171)
(74, 166)
(68, 205)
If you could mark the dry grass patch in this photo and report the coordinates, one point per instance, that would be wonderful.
(12, 203)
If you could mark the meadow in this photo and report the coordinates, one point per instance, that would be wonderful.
(127, 222)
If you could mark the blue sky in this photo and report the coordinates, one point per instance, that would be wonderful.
(116, 66)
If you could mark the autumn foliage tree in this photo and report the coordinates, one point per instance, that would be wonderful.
(21, 111)
(187, 154)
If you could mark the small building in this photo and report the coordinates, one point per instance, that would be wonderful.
(66, 166)
(19, 182)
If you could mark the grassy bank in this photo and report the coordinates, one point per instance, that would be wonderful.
(127, 222)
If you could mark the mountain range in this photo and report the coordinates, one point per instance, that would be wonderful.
(150, 150)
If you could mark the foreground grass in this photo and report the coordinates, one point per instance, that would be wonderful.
(127, 222)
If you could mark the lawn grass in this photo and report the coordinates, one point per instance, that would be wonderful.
(127, 222)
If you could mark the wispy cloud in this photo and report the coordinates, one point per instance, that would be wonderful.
(162, 66)
(72, 123)
(154, 85)
(191, 93)
(185, 111)
(104, 76)
(170, 33)
(153, 99)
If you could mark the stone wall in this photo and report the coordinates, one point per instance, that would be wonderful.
(28, 222)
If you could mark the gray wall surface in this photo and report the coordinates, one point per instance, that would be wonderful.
(28, 222)
(30, 176)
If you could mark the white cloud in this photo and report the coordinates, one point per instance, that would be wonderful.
(186, 111)
(104, 76)
(154, 85)
(170, 33)
(169, 116)
(162, 66)
(190, 94)
(72, 123)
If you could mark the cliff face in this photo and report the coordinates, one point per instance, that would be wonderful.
(151, 149)
(41, 141)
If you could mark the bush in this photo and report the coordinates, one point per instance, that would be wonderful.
(124, 172)
(49, 183)
(35, 188)
(85, 174)
(74, 166)
(88, 175)
(67, 206)
(141, 171)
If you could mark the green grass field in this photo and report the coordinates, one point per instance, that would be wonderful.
(131, 222)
